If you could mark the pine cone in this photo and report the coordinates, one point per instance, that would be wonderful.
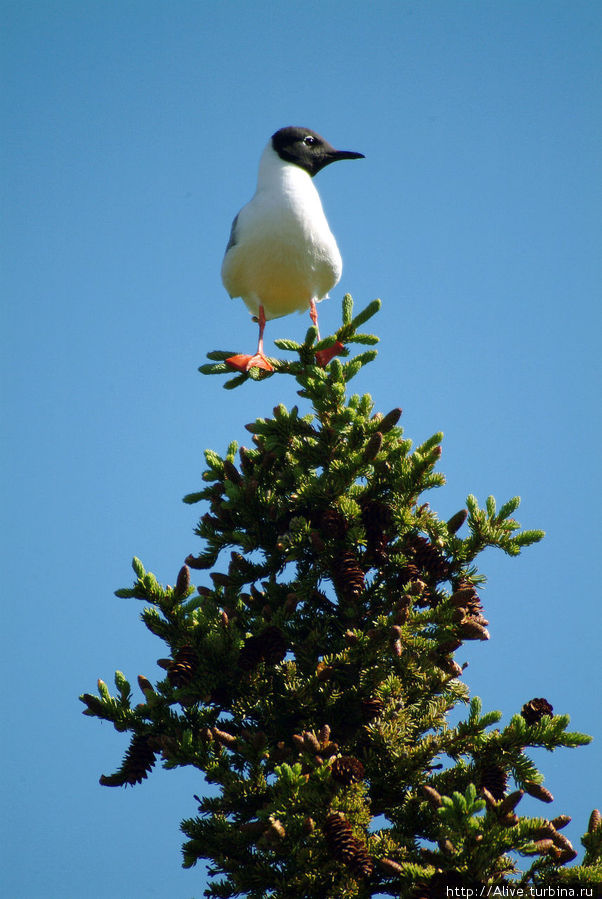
(183, 581)
(390, 867)
(348, 577)
(449, 666)
(347, 770)
(427, 557)
(360, 860)
(275, 831)
(456, 521)
(449, 646)
(310, 741)
(324, 734)
(223, 737)
(268, 646)
(139, 760)
(544, 847)
(538, 792)
(220, 579)
(432, 795)
(182, 667)
(468, 598)
(494, 779)
(567, 855)
(373, 447)
(345, 847)
(372, 708)
(145, 685)
(246, 461)
(407, 573)
(390, 420)
(232, 473)
(339, 835)
(562, 842)
(470, 629)
(198, 562)
(509, 803)
(534, 710)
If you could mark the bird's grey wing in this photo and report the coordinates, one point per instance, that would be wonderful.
(232, 238)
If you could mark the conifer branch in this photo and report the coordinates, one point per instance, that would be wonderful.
(306, 352)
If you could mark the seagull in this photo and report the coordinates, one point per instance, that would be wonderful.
(282, 256)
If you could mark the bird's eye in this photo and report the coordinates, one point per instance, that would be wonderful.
(309, 140)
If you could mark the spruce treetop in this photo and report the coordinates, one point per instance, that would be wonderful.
(311, 677)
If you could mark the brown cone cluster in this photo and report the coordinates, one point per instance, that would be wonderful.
(470, 600)
(348, 576)
(427, 558)
(180, 669)
(372, 708)
(138, 761)
(268, 646)
(346, 848)
(534, 710)
(347, 770)
(466, 597)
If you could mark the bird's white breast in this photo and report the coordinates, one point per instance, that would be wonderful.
(285, 254)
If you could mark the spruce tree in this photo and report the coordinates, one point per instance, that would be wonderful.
(312, 676)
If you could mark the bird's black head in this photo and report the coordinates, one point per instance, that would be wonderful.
(308, 150)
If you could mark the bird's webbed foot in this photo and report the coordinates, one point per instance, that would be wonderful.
(243, 362)
(324, 356)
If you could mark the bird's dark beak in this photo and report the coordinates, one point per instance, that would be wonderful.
(335, 155)
(327, 154)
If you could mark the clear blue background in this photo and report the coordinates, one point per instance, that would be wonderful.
(132, 132)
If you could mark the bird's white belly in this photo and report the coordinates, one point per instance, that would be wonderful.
(282, 267)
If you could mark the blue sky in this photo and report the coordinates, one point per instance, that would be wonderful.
(132, 132)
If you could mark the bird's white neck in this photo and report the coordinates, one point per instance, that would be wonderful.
(277, 174)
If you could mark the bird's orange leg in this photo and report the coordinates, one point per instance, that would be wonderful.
(323, 357)
(242, 362)
(313, 314)
(261, 330)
